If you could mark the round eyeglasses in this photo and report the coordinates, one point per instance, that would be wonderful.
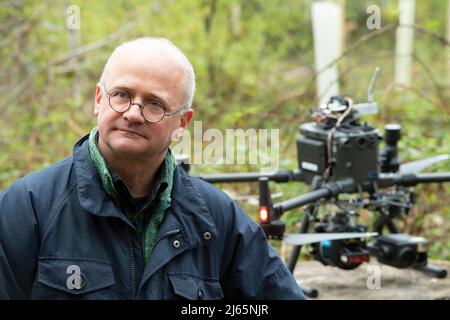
(152, 110)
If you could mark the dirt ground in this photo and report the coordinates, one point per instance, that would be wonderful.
(392, 283)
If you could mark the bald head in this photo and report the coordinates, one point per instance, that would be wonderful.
(158, 50)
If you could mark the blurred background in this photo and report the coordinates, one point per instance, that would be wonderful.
(256, 67)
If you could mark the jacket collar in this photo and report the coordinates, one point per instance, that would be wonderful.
(116, 188)
(188, 211)
(92, 196)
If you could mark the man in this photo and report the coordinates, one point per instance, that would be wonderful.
(119, 219)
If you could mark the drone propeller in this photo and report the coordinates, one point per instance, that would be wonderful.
(298, 239)
(419, 165)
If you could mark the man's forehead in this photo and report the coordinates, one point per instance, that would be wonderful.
(149, 52)
(145, 68)
(145, 64)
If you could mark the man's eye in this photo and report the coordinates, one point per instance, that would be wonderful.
(155, 103)
(120, 94)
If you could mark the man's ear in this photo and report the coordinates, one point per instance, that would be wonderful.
(185, 119)
(98, 98)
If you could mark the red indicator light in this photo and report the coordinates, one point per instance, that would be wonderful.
(264, 215)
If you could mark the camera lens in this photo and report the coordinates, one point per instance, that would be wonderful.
(392, 133)
(406, 257)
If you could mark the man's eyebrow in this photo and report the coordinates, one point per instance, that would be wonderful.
(121, 88)
(147, 96)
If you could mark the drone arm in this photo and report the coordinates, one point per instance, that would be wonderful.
(335, 188)
(411, 179)
(433, 177)
(328, 190)
(301, 200)
(278, 176)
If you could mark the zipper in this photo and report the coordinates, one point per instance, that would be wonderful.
(132, 265)
(132, 258)
(167, 234)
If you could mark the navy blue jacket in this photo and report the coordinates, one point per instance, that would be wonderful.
(61, 237)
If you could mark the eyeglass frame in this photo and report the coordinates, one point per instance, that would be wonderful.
(141, 107)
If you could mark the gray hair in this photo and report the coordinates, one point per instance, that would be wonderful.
(190, 74)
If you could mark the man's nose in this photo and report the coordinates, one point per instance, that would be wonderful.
(134, 113)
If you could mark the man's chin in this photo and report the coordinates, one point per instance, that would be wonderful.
(129, 148)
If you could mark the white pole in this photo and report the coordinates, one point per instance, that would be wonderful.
(343, 29)
(327, 32)
(404, 42)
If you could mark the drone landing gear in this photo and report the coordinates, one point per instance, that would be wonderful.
(308, 291)
(432, 270)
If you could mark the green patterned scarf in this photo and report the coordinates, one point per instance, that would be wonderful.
(150, 217)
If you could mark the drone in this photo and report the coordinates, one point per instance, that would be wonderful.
(338, 156)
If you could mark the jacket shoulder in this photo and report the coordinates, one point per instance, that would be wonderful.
(51, 178)
(210, 193)
(225, 211)
(38, 192)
